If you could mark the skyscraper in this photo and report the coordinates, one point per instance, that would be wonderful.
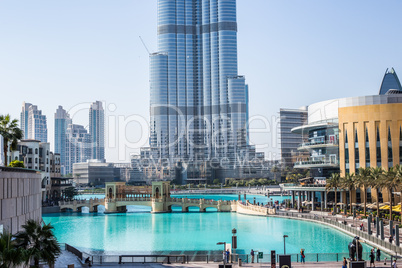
(24, 119)
(61, 122)
(97, 130)
(199, 103)
(290, 142)
(33, 123)
(78, 146)
(390, 81)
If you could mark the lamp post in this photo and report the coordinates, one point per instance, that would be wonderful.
(234, 243)
(284, 244)
(224, 249)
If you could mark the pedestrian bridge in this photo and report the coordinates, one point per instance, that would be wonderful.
(119, 196)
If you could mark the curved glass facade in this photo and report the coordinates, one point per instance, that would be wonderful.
(390, 81)
(198, 101)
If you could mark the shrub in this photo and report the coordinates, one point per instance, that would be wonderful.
(17, 164)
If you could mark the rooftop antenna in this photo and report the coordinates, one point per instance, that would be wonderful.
(145, 45)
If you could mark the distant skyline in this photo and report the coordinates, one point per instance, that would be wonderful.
(293, 53)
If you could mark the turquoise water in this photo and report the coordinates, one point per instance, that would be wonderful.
(147, 233)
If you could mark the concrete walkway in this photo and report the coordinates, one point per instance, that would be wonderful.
(190, 265)
(67, 258)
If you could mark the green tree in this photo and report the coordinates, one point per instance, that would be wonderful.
(363, 180)
(391, 181)
(274, 170)
(216, 181)
(348, 183)
(17, 164)
(10, 254)
(376, 183)
(39, 242)
(334, 182)
(11, 134)
(70, 192)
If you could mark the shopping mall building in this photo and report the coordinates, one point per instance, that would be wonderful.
(345, 134)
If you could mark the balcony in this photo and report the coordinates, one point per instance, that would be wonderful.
(317, 163)
(317, 144)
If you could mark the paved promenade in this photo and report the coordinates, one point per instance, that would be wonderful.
(309, 264)
(67, 258)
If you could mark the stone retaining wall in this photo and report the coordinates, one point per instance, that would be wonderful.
(20, 197)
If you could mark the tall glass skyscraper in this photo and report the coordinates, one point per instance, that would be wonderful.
(33, 123)
(97, 130)
(199, 103)
(61, 122)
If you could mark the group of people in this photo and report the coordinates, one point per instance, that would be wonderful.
(226, 255)
(375, 255)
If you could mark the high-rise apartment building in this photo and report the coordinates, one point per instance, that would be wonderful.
(97, 130)
(24, 119)
(290, 142)
(33, 123)
(61, 122)
(198, 102)
(78, 146)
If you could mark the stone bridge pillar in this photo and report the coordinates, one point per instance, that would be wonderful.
(160, 196)
(111, 191)
(219, 207)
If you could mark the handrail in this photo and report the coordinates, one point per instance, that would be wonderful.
(377, 241)
(144, 258)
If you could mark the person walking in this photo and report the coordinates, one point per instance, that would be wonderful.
(372, 258)
(344, 263)
(378, 254)
(227, 255)
(302, 256)
(394, 264)
(252, 256)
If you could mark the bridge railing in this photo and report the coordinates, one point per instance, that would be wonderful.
(131, 199)
(260, 209)
(80, 202)
(198, 201)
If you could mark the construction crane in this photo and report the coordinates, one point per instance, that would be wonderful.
(145, 45)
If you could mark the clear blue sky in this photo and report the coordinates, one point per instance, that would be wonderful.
(293, 53)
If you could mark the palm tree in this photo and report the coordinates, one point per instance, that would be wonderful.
(363, 180)
(348, 183)
(11, 133)
(39, 241)
(274, 170)
(10, 254)
(333, 182)
(376, 182)
(390, 182)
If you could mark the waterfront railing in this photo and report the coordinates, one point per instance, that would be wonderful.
(368, 238)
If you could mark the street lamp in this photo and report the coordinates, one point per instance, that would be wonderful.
(284, 244)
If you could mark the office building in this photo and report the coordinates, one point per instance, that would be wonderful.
(61, 122)
(33, 123)
(390, 82)
(289, 141)
(198, 101)
(78, 146)
(95, 172)
(97, 130)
